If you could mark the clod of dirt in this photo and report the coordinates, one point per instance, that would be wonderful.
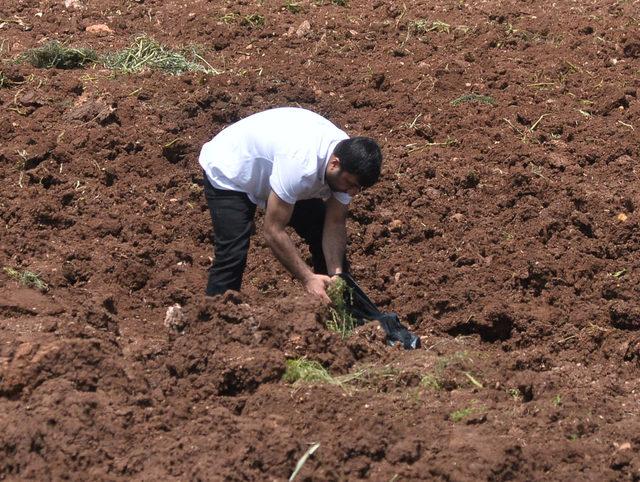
(26, 301)
(303, 29)
(632, 352)
(625, 315)
(175, 151)
(31, 99)
(99, 29)
(87, 110)
(496, 324)
(632, 49)
(73, 4)
(175, 319)
(558, 161)
(395, 226)
(379, 81)
(132, 275)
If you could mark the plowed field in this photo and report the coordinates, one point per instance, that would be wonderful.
(504, 231)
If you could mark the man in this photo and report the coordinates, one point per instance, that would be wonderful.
(304, 170)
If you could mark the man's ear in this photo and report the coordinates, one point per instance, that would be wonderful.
(334, 162)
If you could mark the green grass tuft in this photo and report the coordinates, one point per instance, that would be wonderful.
(253, 20)
(293, 7)
(4, 81)
(26, 278)
(459, 415)
(56, 55)
(341, 320)
(304, 370)
(480, 99)
(424, 26)
(146, 53)
(431, 382)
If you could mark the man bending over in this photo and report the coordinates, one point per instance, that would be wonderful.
(304, 171)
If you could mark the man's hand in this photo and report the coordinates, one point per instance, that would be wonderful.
(317, 285)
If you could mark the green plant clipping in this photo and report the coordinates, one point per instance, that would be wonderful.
(304, 370)
(459, 415)
(303, 460)
(56, 55)
(146, 53)
(473, 380)
(619, 274)
(423, 26)
(431, 382)
(476, 98)
(293, 7)
(341, 321)
(253, 20)
(26, 278)
(515, 393)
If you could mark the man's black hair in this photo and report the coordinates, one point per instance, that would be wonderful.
(360, 156)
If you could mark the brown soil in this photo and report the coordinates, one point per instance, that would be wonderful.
(505, 235)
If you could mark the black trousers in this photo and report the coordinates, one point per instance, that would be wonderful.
(232, 216)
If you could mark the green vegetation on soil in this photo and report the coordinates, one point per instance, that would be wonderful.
(26, 278)
(341, 320)
(459, 415)
(515, 393)
(146, 53)
(450, 372)
(304, 370)
(310, 371)
(56, 55)
(252, 20)
(431, 382)
(293, 7)
(424, 26)
(143, 53)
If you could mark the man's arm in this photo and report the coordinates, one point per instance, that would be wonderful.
(277, 216)
(334, 235)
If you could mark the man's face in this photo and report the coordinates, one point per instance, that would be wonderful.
(343, 181)
(340, 180)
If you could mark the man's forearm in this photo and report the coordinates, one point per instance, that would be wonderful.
(334, 245)
(284, 250)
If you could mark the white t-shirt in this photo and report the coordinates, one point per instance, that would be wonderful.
(285, 149)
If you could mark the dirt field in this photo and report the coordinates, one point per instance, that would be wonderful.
(504, 232)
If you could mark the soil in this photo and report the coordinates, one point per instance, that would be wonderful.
(505, 234)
